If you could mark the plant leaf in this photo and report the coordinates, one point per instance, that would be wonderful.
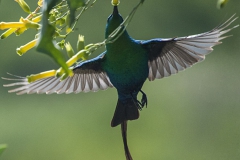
(2, 148)
(46, 44)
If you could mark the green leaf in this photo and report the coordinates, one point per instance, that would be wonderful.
(46, 44)
(74, 5)
(2, 148)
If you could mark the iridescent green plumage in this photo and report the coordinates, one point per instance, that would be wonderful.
(126, 64)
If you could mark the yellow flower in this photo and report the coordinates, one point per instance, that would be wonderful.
(23, 49)
(80, 55)
(8, 33)
(4, 25)
(28, 24)
(35, 77)
(23, 23)
(40, 3)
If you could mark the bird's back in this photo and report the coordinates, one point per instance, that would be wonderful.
(126, 64)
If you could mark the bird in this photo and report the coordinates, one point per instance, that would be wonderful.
(125, 65)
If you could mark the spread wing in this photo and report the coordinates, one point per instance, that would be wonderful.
(88, 76)
(169, 56)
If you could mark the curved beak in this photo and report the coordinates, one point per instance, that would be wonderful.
(115, 11)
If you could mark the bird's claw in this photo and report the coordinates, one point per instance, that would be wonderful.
(144, 99)
(143, 102)
(140, 105)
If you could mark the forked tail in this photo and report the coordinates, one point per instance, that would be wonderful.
(125, 111)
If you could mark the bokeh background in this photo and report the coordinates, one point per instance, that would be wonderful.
(192, 115)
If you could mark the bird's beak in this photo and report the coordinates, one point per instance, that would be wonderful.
(115, 11)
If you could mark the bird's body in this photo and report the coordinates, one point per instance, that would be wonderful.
(126, 60)
(127, 69)
(126, 64)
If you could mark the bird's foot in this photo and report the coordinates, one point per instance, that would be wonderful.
(144, 99)
(143, 102)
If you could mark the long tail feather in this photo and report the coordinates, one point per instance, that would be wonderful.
(124, 136)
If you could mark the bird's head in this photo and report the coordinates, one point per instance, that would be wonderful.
(114, 20)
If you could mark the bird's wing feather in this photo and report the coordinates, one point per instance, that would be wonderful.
(88, 76)
(169, 56)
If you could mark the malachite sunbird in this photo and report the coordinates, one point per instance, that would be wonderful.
(126, 64)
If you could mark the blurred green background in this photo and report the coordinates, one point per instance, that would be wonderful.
(193, 115)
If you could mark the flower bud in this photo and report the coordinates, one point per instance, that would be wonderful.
(61, 44)
(69, 49)
(7, 33)
(23, 49)
(24, 6)
(60, 21)
(37, 19)
(35, 77)
(40, 3)
(221, 3)
(80, 43)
